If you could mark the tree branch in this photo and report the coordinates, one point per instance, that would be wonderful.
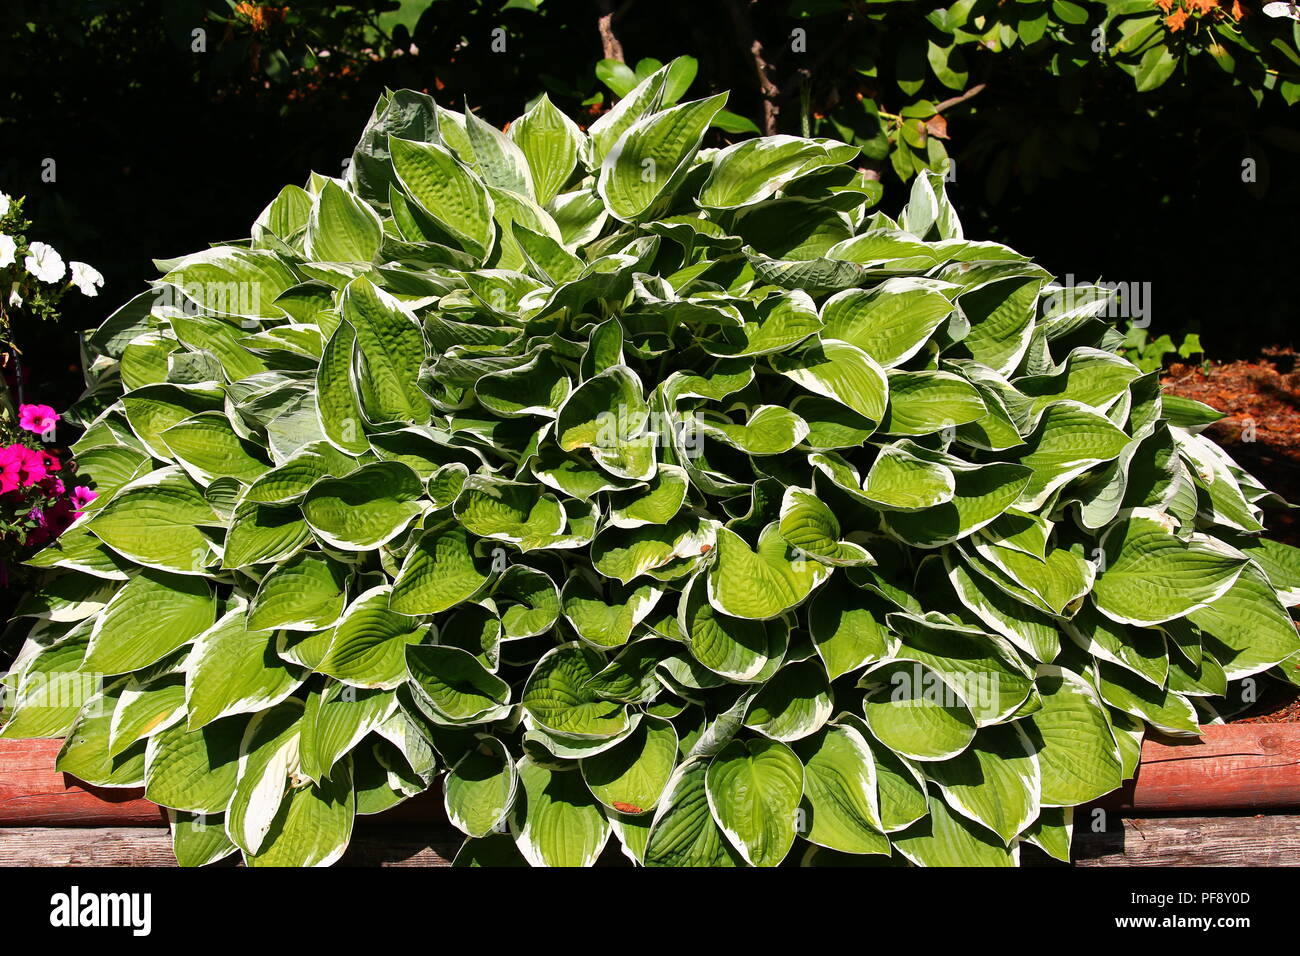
(962, 98)
(608, 40)
(753, 47)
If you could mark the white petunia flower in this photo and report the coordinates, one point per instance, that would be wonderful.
(44, 262)
(86, 278)
(4, 205)
(1282, 10)
(15, 299)
(7, 249)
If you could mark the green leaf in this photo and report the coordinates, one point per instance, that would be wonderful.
(763, 583)
(497, 158)
(945, 838)
(234, 282)
(841, 372)
(263, 533)
(662, 551)
(915, 713)
(558, 697)
(439, 573)
(684, 832)
(341, 228)
(50, 691)
(753, 170)
(754, 788)
(207, 446)
(455, 683)
(739, 649)
(1069, 439)
(368, 647)
(1151, 575)
(198, 839)
(811, 528)
(269, 750)
(890, 322)
(1001, 315)
(648, 161)
(151, 616)
(556, 822)
(194, 770)
(337, 403)
(1079, 756)
(335, 720)
(847, 628)
(85, 753)
(996, 782)
(631, 776)
(794, 703)
(1251, 623)
(155, 521)
(840, 805)
(550, 142)
(313, 825)
(480, 787)
(303, 593)
(235, 670)
(447, 192)
(921, 403)
(391, 348)
(368, 508)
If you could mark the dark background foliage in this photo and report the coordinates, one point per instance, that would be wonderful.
(160, 148)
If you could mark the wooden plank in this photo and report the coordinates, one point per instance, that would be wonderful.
(1258, 840)
(144, 846)
(32, 793)
(1232, 767)
(1262, 840)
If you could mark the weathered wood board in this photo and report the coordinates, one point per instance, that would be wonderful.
(1260, 840)
(144, 846)
(1255, 840)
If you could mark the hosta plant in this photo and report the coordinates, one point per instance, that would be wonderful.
(637, 495)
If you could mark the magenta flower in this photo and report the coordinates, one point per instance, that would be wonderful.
(34, 470)
(57, 518)
(37, 419)
(12, 458)
(82, 496)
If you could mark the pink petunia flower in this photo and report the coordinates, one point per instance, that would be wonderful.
(11, 467)
(49, 461)
(37, 419)
(33, 469)
(58, 516)
(82, 496)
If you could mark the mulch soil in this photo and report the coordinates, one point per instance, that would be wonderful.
(1260, 429)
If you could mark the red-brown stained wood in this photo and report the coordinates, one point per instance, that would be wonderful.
(1232, 767)
(34, 794)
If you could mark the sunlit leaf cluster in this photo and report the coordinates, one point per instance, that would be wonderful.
(640, 497)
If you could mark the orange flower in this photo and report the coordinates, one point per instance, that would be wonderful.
(1165, 5)
(1175, 21)
(1202, 6)
(1237, 10)
(261, 18)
